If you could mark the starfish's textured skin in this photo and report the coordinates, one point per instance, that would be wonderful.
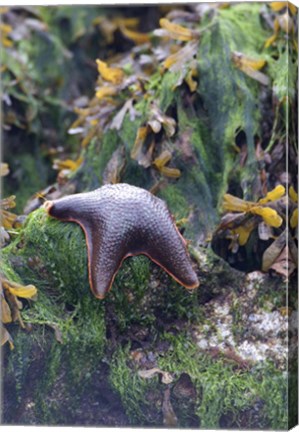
(120, 221)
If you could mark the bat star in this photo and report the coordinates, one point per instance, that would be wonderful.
(120, 221)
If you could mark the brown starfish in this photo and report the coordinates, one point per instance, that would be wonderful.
(121, 221)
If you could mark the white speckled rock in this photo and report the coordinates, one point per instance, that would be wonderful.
(263, 328)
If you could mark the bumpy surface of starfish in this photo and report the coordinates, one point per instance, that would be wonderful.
(120, 221)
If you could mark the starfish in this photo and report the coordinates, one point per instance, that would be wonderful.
(120, 221)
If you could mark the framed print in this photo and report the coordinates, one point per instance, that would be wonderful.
(149, 215)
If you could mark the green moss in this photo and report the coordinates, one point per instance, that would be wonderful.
(52, 254)
(18, 364)
(131, 388)
(137, 298)
(65, 305)
(6, 269)
(221, 390)
(49, 412)
(55, 375)
(181, 304)
(69, 330)
(129, 293)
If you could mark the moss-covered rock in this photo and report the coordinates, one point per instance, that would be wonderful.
(146, 321)
(234, 353)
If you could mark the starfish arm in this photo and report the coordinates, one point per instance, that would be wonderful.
(167, 247)
(170, 253)
(75, 208)
(104, 258)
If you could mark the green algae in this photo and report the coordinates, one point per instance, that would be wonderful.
(197, 188)
(229, 95)
(167, 94)
(283, 70)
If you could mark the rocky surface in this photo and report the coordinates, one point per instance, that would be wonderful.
(263, 326)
